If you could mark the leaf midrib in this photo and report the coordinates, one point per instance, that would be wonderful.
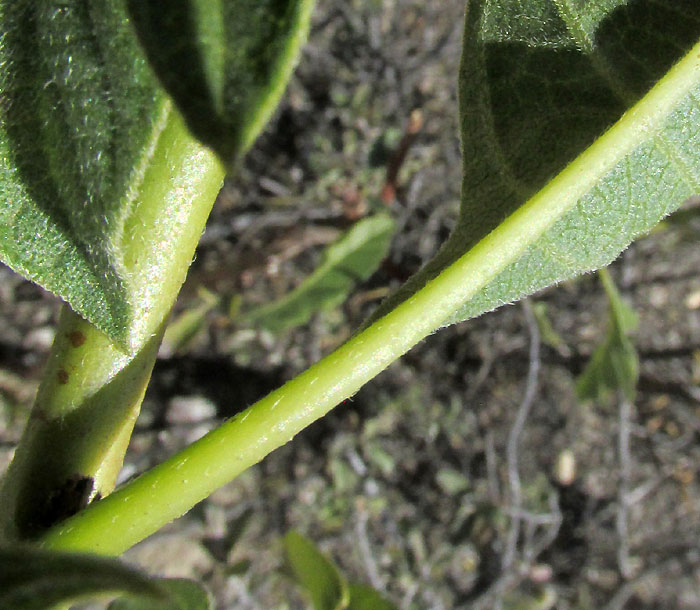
(133, 191)
(528, 223)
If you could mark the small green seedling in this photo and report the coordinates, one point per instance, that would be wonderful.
(323, 582)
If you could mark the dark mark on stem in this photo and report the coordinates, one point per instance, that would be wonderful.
(76, 338)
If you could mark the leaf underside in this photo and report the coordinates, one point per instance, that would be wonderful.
(540, 81)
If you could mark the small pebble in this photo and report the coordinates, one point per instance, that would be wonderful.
(190, 409)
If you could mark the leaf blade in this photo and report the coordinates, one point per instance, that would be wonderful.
(32, 579)
(319, 576)
(351, 258)
(35, 579)
(614, 365)
(364, 597)
(500, 172)
(101, 184)
(224, 63)
(79, 105)
(183, 594)
(581, 206)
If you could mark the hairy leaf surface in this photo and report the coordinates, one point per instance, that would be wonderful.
(224, 62)
(100, 184)
(78, 111)
(540, 81)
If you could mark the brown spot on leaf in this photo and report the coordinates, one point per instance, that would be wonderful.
(76, 338)
(62, 376)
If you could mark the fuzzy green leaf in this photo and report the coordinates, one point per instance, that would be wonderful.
(614, 364)
(224, 62)
(352, 258)
(78, 111)
(97, 177)
(320, 577)
(33, 579)
(540, 81)
(103, 191)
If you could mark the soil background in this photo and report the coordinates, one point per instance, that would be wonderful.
(468, 475)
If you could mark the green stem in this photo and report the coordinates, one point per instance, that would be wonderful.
(170, 489)
(91, 392)
(173, 487)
